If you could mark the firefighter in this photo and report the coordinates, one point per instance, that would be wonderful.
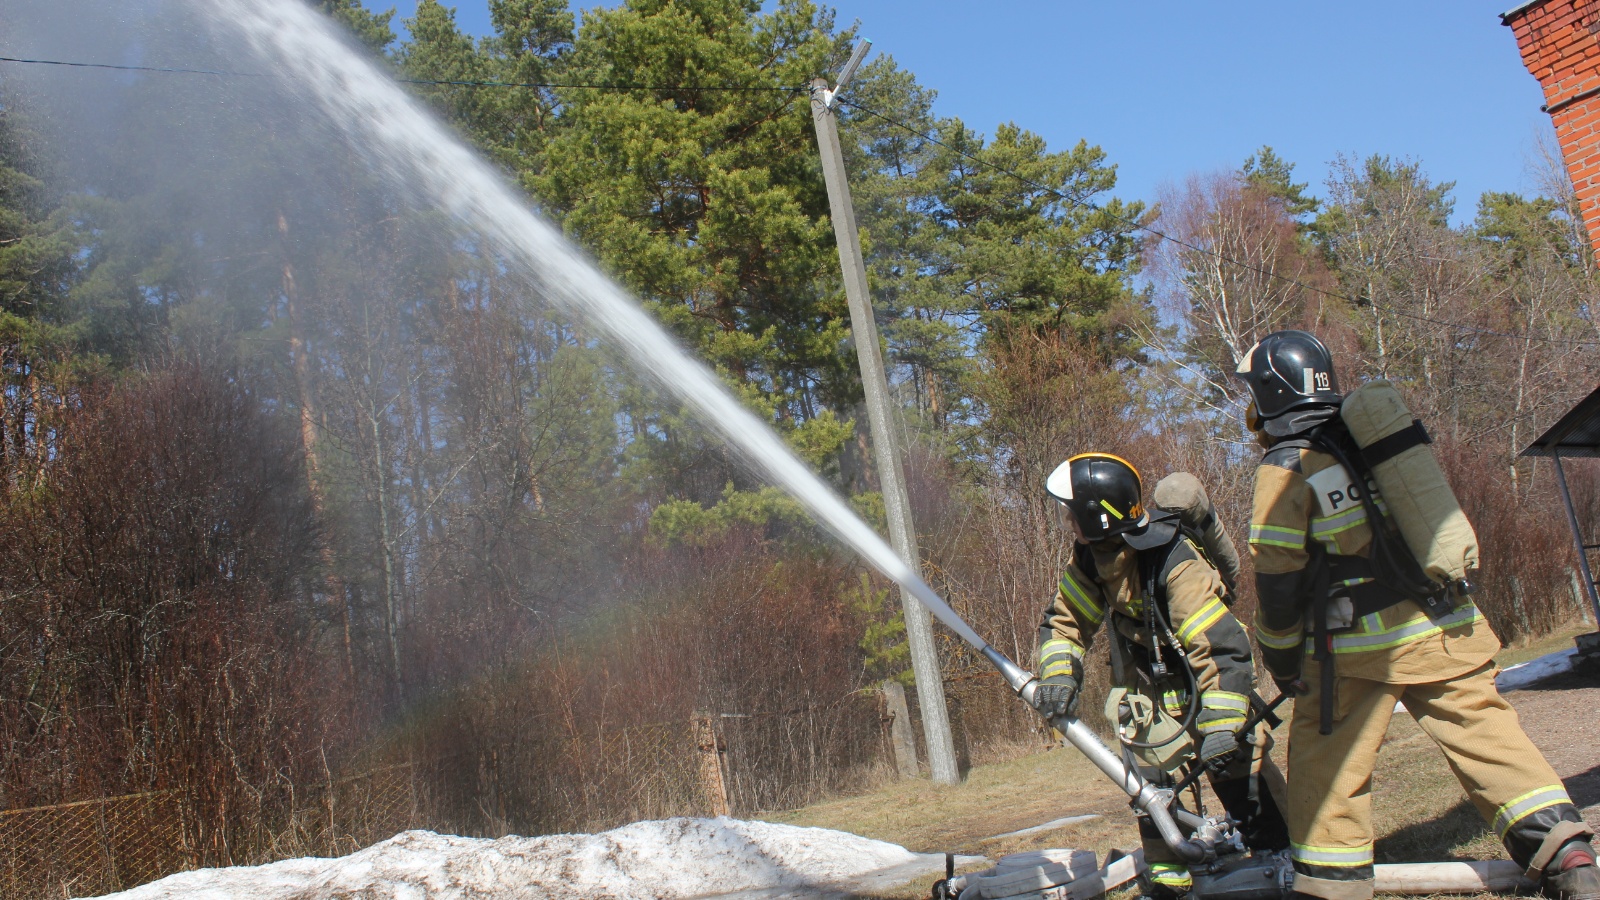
(1379, 648)
(1146, 577)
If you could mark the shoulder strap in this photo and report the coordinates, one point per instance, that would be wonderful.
(1392, 559)
(1156, 565)
(1184, 547)
(1385, 449)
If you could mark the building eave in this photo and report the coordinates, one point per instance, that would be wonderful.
(1505, 17)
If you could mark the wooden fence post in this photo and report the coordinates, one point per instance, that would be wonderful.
(900, 737)
(708, 741)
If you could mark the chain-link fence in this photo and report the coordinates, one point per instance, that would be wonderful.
(713, 763)
(98, 846)
(92, 847)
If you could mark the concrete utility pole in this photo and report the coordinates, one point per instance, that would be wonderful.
(880, 417)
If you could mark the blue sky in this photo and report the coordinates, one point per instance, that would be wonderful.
(1168, 88)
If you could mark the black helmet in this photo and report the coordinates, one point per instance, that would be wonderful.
(1104, 494)
(1291, 380)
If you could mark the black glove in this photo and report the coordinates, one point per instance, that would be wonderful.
(1217, 750)
(1056, 696)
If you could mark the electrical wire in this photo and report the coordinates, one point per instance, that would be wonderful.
(611, 87)
(427, 81)
(1221, 257)
(88, 65)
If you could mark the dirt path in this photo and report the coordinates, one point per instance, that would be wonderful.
(1562, 715)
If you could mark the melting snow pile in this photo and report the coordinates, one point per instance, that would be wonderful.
(673, 858)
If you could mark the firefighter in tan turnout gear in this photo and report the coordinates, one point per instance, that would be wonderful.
(1335, 628)
(1176, 651)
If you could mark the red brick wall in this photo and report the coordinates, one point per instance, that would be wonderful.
(1561, 47)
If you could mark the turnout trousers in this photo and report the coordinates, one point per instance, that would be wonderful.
(1330, 776)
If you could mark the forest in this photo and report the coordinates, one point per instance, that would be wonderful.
(297, 484)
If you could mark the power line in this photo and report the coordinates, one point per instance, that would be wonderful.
(612, 87)
(1155, 232)
(428, 81)
(89, 65)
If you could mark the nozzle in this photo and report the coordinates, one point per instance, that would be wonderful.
(1020, 679)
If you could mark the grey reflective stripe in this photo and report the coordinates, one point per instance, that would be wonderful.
(1276, 642)
(1526, 805)
(1335, 524)
(1059, 647)
(1079, 598)
(1059, 656)
(1277, 536)
(1224, 700)
(1336, 857)
(1407, 631)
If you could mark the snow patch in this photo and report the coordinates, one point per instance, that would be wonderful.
(1522, 675)
(672, 859)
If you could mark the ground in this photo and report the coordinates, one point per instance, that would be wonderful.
(1420, 811)
(1423, 816)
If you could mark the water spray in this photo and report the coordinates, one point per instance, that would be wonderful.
(409, 147)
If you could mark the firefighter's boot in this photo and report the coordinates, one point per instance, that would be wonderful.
(1573, 875)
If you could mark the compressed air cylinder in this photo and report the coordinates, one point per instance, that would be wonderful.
(1413, 487)
(1183, 494)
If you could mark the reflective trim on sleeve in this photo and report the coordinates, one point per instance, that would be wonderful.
(1227, 723)
(1059, 656)
(1333, 857)
(1277, 536)
(1529, 803)
(1056, 646)
(1221, 711)
(1080, 600)
(1206, 616)
(1410, 630)
(1225, 700)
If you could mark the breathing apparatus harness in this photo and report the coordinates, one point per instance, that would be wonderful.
(1154, 565)
(1391, 569)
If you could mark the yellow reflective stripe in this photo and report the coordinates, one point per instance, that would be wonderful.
(1333, 857)
(1059, 656)
(1277, 536)
(1059, 646)
(1079, 598)
(1287, 640)
(1521, 807)
(1228, 723)
(1225, 700)
(1173, 875)
(1111, 509)
(1063, 667)
(1413, 629)
(1203, 618)
(1326, 526)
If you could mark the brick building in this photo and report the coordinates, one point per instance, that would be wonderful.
(1560, 44)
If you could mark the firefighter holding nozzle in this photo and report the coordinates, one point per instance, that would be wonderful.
(1362, 564)
(1180, 661)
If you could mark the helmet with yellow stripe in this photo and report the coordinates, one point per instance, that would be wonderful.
(1103, 492)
